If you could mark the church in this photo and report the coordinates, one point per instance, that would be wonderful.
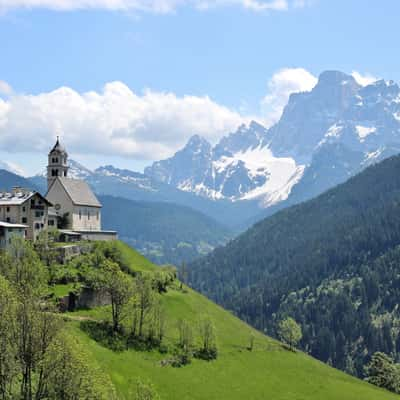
(76, 209)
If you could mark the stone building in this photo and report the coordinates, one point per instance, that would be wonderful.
(26, 208)
(8, 231)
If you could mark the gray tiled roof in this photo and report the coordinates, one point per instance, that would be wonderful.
(80, 192)
(19, 197)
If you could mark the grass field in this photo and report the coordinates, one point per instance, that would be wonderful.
(269, 372)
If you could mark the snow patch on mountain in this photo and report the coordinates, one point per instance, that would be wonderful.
(364, 131)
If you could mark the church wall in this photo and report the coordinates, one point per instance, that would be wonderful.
(58, 196)
(86, 218)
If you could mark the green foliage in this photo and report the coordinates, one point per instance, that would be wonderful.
(145, 391)
(119, 288)
(290, 332)
(332, 263)
(36, 362)
(383, 372)
(208, 344)
(22, 267)
(44, 246)
(71, 377)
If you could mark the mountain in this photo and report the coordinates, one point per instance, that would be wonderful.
(8, 180)
(324, 137)
(240, 167)
(333, 263)
(108, 180)
(163, 232)
(269, 371)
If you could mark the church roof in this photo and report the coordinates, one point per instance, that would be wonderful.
(58, 147)
(79, 192)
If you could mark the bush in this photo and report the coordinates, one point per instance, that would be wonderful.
(206, 354)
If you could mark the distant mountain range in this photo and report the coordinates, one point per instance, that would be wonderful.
(108, 180)
(323, 137)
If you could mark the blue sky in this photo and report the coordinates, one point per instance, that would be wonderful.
(228, 53)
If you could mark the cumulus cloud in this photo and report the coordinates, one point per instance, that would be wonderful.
(115, 121)
(157, 6)
(364, 79)
(282, 84)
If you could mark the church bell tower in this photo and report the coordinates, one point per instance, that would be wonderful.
(58, 163)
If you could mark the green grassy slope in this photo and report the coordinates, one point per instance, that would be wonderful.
(268, 372)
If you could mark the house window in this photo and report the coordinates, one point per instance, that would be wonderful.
(97, 215)
(23, 209)
(37, 214)
(24, 220)
(80, 214)
(8, 209)
(88, 214)
(51, 222)
(65, 173)
(32, 202)
(8, 219)
(37, 226)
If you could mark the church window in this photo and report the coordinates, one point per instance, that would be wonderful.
(65, 173)
(97, 215)
(80, 214)
(88, 214)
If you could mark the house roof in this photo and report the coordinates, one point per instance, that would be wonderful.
(79, 192)
(18, 197)
(9, 225)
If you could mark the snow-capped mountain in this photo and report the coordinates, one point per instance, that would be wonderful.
(240, 167)
(323, 137)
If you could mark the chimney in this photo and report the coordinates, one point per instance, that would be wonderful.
(16, 189)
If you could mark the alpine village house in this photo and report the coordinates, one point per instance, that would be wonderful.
(69, 205)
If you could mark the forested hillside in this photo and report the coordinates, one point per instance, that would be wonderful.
(333, 263)
(164, 232)
(147, 337)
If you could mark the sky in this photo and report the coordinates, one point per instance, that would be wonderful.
(127, 82)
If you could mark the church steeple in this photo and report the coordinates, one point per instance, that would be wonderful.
(58, 163)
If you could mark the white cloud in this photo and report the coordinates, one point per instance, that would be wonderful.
(12, 167)
(115, 121)
(5, 88)
(157, 6)
(280, 86)
(364, 79)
